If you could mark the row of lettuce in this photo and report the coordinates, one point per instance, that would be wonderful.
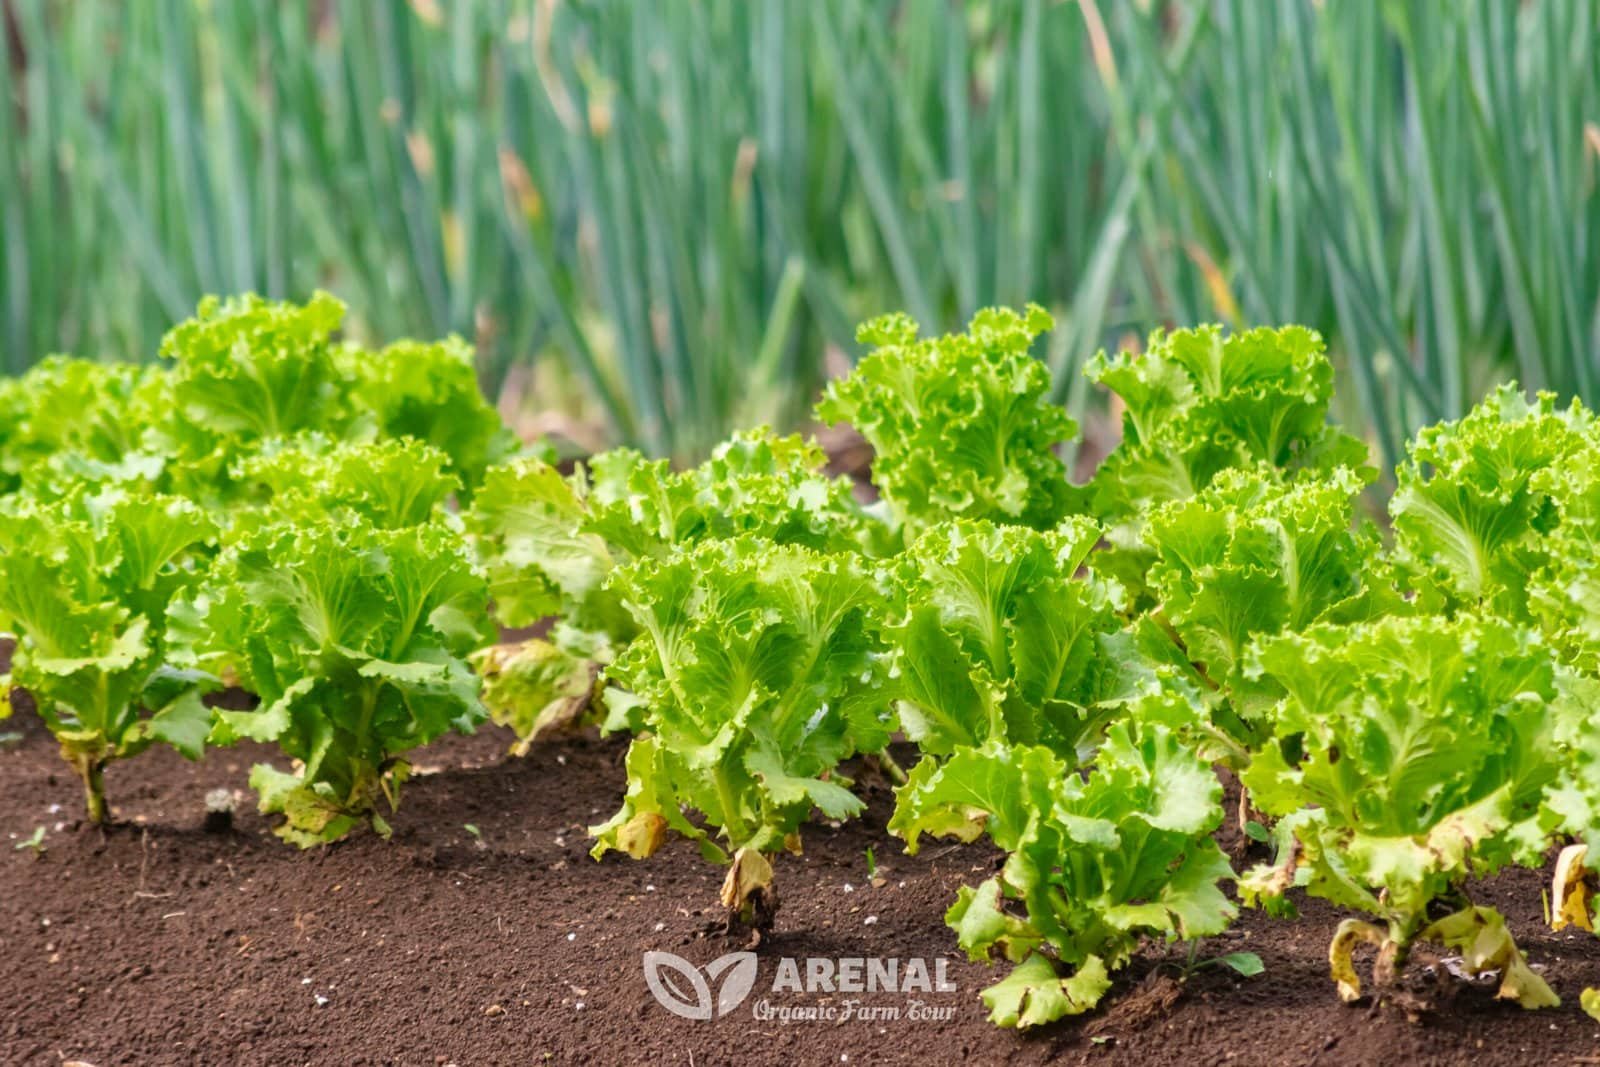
(325, 526)
(263, 508)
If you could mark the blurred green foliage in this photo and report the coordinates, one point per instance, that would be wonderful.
(668, 214)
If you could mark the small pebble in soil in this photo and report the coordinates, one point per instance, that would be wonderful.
(217, 820)
(572, 937)
(320, 1000)
(869, 920)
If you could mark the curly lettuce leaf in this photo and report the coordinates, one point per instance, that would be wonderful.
(428, 392)
(246, 375)
(248, 370)
(1000, 637)
(535, 687)
(755, 484)
(1477, 500)
(1197, 402)
(527, 524)
(1252, 556)
(549, 543)
(77, 421)
(393, 483)
(962, 426)
(1564, 590)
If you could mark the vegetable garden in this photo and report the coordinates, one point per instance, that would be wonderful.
(1119, 734)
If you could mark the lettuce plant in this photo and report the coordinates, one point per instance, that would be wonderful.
(247, 371)
(84, 584)
(528, 530)
(1013, 673)
(1564, 591)
(1094, 865)
(343, 596)
(76, 421)
(1499, 512)
(1249, 556)
(757, 671)
(549, 543)
(997, 638)
(354, 637)
(1564, 602)
(1478, 499)
(1410, 755)
(428, 392)
(1197, 402)
(961, 426)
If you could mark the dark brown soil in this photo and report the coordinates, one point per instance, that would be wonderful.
(157, 942)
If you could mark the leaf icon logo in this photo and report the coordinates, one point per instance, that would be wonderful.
(685, 990)
(739, 977)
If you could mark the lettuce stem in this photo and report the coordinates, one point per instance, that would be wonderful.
(732, 821)
(94, 790)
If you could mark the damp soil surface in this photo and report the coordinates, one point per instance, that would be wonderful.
(484, 934)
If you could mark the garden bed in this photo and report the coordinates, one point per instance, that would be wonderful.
(156, 942)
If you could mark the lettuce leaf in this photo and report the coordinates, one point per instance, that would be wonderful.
(393, 483)
(1564, 589)
(962, 426)
(1197, 402)
(1252, 556)
(1478, 498)
(76, 421)
(998, 638)
(428, 392)
(535, 686)
(245, 371)
(550, 543)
